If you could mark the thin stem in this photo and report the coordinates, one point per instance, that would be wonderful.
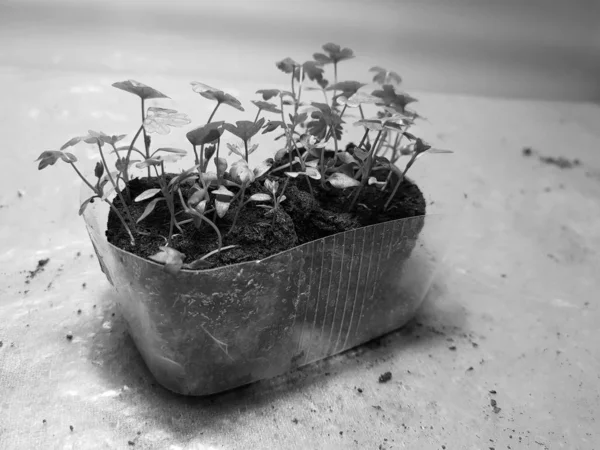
(365, 176)
(126, 171)
(246, 149)
(293, 82)
(84, 180)
(257, 115)
(112, 181)
(334, 82)
(213, 113)
(145, 135)
(202, 217)
(196, 161)
(399, 182)
(362, 141)
(116, 211)
(216, 163)
(237, 212)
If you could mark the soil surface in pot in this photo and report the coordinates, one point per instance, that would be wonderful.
(302, 218)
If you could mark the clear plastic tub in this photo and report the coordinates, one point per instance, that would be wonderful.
(203, 332)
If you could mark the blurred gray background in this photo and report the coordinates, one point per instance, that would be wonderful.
(544, 49)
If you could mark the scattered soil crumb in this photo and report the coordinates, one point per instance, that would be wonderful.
(385, 377)
(295, 421)
(503, 275)
(78, 311)
(360, 391)
(84, 285)
(40, 266)
(452, 347)
(44, 421)
(493, 392)
(78, 254)
(377, 407)
(474, 344)
(527, 151)
(560, 162)
(69, 336)
(1, 344)
(71, 427)
(130, 443)
(470, 369)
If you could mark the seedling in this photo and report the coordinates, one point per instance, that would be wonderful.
(273, 197)
(311, 158)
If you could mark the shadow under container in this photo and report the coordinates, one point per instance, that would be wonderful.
(208, 331)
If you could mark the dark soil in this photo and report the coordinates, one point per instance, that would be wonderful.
(302, 218)
(40, 266)
(560, 162)
(385, 377)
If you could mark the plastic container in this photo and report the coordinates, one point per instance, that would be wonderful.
(203, 332)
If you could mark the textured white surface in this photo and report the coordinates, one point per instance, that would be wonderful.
(536, 329)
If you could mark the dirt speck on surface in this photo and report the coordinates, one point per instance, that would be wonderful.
(69, 336)
(1, 344)
(360, 391)
(560, 162)
(295, 421)
(130, 443)
(84, 285)
(385, 377)
(452, 347)
(40, 266)
(527, 151)
(493, 391)
(71, 427)
(495, 407)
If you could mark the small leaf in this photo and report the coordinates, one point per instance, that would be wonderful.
(252, 149)
(120, 164)
(99, 169)
(171, 258)
(263, 168)
(49, 158)
(234, 148)
(223, 192)
(309, 172)
(266, 106)
(373, 180)
(342, 181)
(281, 153)
(217, 95)
(85, 204)
(149, 208)
(171, 150)
(160, 120)
(281, 198)
(71, 142)
(335, 54)
(221, 164)
(205, 134)
(287, 65)
(149, 193)
(139, 89)
(357, 99)
(244, 129)
(371, 124)
(259, 197)
(197, 197)
(348, 88)
(221, 208)
(240, 172)
(201, 207)
(272, 126)
(268, 93)
(384, 76)
(360, 154)
(346, 158)
(271, 186)
(188, 173)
